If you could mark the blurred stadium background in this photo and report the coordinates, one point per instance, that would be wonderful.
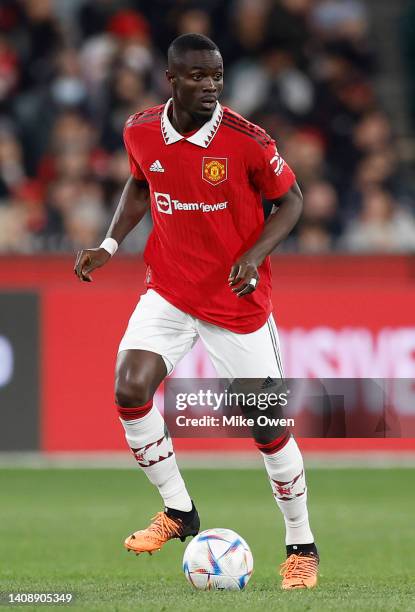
(333, 81)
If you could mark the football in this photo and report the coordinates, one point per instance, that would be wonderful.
(218, 559)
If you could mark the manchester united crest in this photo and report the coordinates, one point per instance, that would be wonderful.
(214, 170)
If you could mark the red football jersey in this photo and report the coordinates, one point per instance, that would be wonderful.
(207, 210)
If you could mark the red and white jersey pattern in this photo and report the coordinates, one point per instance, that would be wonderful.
(206, 206)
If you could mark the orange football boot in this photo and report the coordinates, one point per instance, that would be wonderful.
(162, 529)
(299, 572)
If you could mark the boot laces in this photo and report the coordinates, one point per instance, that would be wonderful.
(299, 566)
(165, 527)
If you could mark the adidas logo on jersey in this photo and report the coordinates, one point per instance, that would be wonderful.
(156, 167)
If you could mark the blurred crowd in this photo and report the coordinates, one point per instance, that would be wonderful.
(72, 71)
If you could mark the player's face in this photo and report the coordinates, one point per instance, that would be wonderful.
(197, 82)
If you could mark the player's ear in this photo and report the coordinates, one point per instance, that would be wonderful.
(169, 76)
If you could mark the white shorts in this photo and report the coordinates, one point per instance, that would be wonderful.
(159, 327)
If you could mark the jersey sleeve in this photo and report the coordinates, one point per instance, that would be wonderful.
(270, 174)
(134, 166)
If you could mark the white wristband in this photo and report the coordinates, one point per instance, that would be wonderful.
(110, 245)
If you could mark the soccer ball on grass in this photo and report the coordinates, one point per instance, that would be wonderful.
(218, 559)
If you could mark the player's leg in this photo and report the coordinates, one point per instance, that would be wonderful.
(138, 375)
(256, 357)
(157, 336)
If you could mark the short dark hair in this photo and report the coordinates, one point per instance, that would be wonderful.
(190, 42)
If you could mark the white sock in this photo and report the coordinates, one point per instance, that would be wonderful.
(286, 472)
(153, 449)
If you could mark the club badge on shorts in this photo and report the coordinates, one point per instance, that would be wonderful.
(214, 170)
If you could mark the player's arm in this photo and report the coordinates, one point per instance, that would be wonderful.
(133, 205)
(279, 224)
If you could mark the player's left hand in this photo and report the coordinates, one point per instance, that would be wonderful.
(244, 277)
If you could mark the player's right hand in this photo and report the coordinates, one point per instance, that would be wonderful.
(88, 260)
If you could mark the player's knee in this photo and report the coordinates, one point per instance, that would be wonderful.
(132, 393)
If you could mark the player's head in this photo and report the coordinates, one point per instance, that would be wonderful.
(195, 72)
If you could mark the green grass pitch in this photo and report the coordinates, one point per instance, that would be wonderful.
(62, 530)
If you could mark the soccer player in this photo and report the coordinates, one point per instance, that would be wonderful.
(201, 168)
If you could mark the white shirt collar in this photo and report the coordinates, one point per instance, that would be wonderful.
(202, 138)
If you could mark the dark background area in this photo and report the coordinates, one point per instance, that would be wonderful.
(19, 396)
